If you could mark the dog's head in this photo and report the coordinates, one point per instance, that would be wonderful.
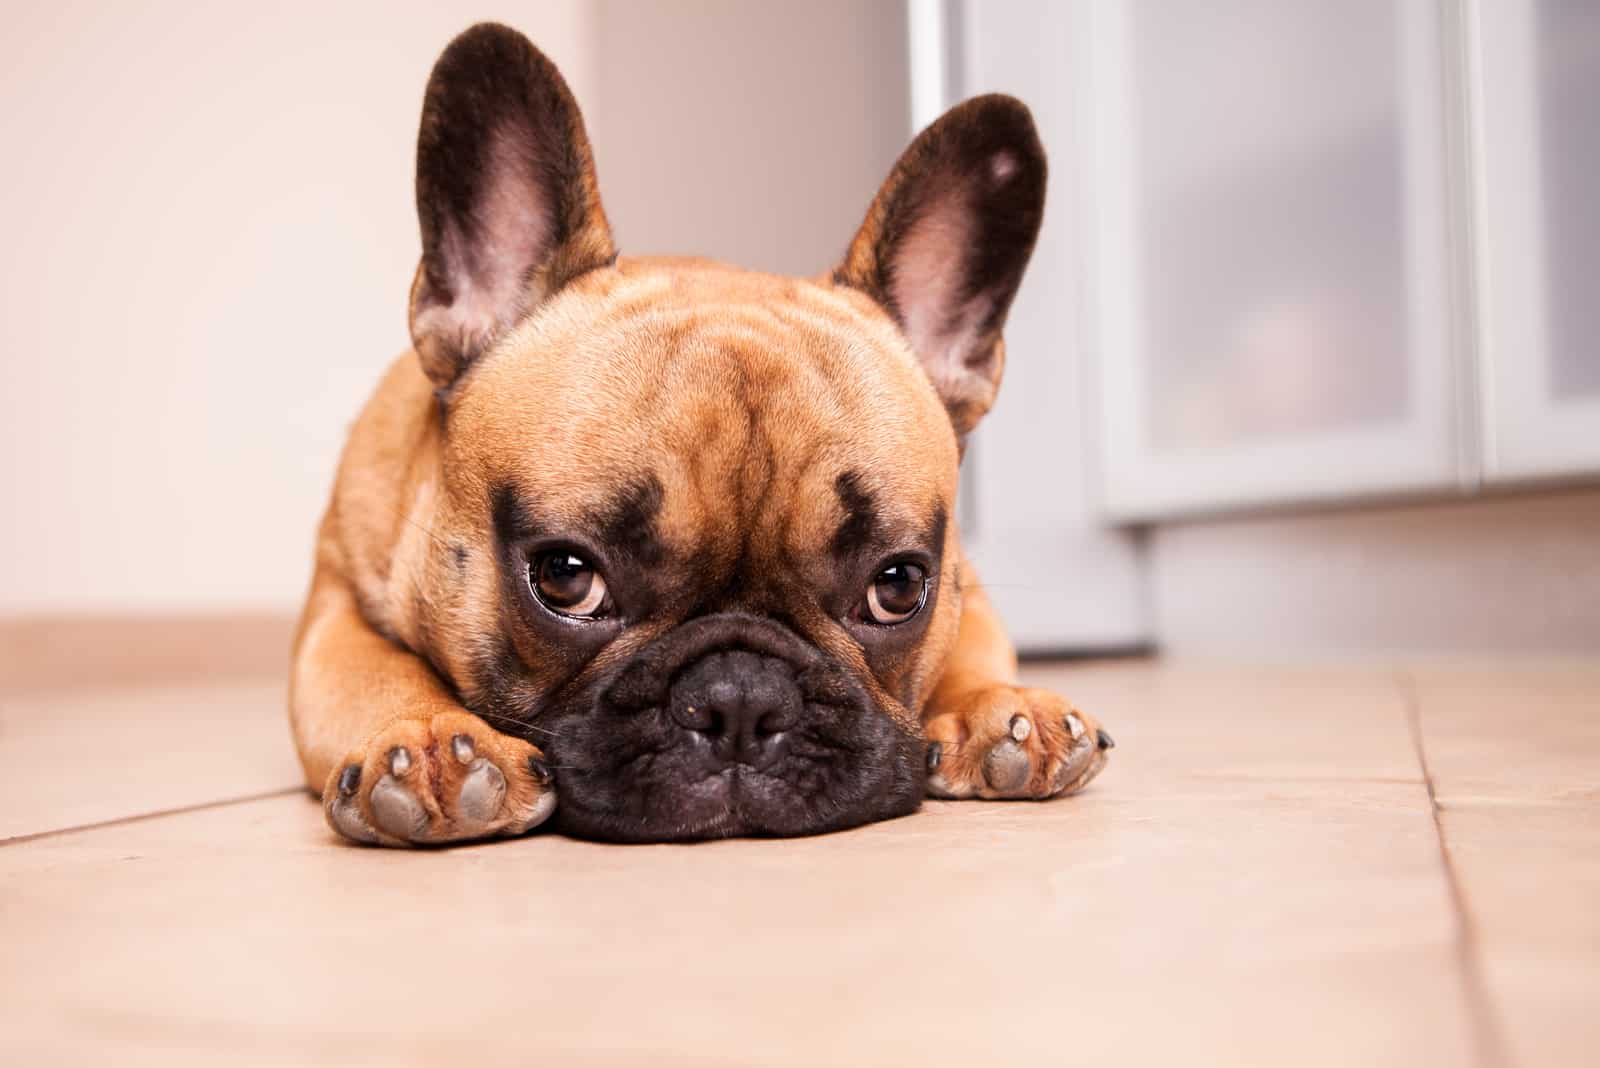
(693, 527)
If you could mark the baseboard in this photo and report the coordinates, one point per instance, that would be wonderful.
(47, 652)
(1517, 575)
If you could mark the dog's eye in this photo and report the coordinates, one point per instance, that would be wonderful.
(568, 584)
(897, 593)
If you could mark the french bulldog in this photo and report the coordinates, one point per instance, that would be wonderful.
(666, 540)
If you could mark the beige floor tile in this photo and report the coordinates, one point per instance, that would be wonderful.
(1514, 752)
(1098, 930)
(1254, 880)
(1512, 733)
(1534, 870)
(1189, 730)
(85, 756)
(1530, 877)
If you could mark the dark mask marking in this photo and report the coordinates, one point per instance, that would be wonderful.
(860, 515)
(627, 525)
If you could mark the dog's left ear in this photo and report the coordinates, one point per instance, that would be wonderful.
(945, 243)
(506, 196)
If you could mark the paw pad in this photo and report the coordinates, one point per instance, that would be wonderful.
(448, 779)
(1007, 766)
(483, 791)
(987, 748)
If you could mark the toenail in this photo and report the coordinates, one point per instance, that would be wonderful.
(1105, 740)
(1074, 725)
(349, 779)
(539, 770)
(1021, 728)
(461, 746)
(399, 760)
(935, 754)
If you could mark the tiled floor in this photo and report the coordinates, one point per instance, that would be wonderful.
(1353, 865)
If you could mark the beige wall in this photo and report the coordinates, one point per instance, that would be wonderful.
(751, 132)
(208, 235)
(208, 238)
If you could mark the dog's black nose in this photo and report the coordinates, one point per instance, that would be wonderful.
(740, 702)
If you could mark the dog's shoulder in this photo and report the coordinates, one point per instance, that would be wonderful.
(383, 493)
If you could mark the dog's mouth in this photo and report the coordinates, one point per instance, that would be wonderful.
(731, 725)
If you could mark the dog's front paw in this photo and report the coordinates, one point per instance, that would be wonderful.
(428, 782)
(1013, 742)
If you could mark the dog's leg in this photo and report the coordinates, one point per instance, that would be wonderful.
(396, 759)
(989, 737)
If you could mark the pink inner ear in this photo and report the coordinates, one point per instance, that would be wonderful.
(926, 284)
(489, 269)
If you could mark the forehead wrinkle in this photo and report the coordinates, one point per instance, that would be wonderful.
(787, 367)
(744, 398)
(751, 449)
(808, 351)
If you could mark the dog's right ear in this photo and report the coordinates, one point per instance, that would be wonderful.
(944, 245)
(506, 196)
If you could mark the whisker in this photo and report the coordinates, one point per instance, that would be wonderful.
(406, 518)
(953, 747)
(518, 724)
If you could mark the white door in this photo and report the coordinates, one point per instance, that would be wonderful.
(1271, 269)
(1534, 75)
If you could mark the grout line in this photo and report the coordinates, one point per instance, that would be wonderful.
(141, 817)
(1490, 1041)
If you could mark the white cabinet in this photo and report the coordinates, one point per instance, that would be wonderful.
(1295, 251)
(1270, 279)
(1536, 106)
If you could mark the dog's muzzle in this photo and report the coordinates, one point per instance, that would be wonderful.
(731, 724)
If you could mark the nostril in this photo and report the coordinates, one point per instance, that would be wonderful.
(697, 716)
(773, 722)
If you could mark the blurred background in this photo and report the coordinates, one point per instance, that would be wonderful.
(1306, 361)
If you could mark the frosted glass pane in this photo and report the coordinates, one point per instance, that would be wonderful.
(1270, 186)
(1569, 139)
